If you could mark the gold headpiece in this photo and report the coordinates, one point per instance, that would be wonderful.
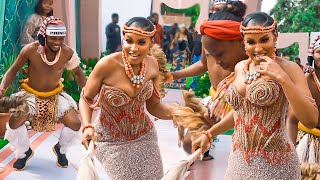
(138, 31)
(258, 29)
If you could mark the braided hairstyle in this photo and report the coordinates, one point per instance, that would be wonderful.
(232, 10)
(140, 22)
(258, 18)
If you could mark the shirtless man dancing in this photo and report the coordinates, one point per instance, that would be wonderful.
(47, 103)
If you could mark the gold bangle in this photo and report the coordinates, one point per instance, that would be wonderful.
(87, 126)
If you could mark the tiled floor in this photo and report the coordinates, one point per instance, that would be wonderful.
(43, 166)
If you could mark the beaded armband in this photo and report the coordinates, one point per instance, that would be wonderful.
(96, 103)
(156, 92)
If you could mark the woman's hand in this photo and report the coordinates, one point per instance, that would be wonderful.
(87, 136)
(271, 68)
(202, 142)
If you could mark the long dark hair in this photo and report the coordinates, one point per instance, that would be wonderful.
(38, 9)
(182, 45)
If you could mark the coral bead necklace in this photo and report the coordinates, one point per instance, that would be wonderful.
(136, 80)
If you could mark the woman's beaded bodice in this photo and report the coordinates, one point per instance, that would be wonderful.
(122, 118)
(260, 121)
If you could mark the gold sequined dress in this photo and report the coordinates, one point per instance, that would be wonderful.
(127, 140)
(261, 148)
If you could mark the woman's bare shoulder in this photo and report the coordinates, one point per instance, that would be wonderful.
(288, 66)
(110, 62)
(239, 66)
(292, 69)
(151, 60)
(30, 49)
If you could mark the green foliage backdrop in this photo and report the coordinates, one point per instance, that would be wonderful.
(296, 16)
(193, 12)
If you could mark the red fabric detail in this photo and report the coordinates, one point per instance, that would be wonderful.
(221, 29)
(119, 117)
(256, 120)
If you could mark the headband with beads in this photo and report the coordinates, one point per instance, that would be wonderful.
(138, 31)
(258, 29)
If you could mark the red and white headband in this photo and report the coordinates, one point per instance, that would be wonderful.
(52, 26)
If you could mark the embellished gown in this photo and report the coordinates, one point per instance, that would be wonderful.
(127, 140)
(261, 148)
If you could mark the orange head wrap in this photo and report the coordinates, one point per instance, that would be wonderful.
(221, 29)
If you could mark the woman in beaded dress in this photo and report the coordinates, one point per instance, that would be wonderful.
(127, 143)
(260, 90)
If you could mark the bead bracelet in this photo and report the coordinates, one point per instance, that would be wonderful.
(87, 126)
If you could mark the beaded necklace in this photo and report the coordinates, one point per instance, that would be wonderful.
(249, 76)
(136, 80)
(252, 76)
(44, 58)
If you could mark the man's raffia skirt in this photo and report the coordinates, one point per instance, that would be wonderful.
(46, 112)
(308, 147)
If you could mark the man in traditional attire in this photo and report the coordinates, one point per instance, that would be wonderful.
(43, 92)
